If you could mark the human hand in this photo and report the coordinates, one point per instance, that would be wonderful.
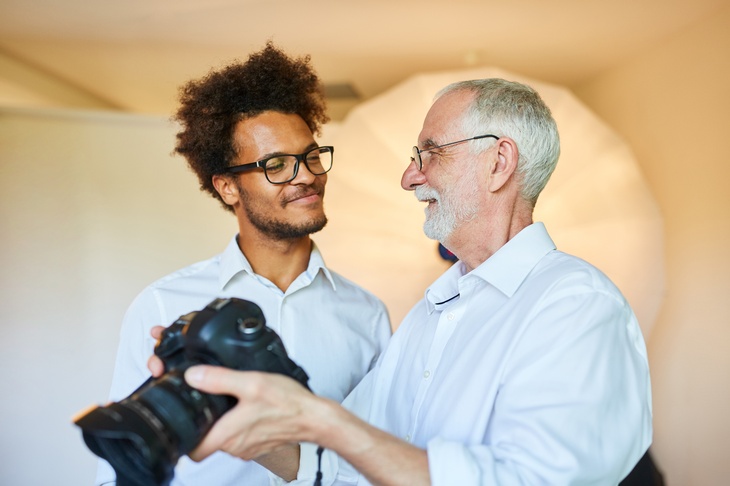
(270, 415)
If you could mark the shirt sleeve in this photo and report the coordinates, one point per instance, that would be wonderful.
(382, 331)
(136, 345)
(574, 401)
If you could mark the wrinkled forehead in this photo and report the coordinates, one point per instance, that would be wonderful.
(445, 118)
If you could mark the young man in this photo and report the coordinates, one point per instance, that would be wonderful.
(522, 364)
(248, 133)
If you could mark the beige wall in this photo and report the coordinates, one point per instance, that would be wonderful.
(25, 86)
(87, 219)
(672, 104)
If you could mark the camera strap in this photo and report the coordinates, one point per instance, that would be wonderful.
(318, 479)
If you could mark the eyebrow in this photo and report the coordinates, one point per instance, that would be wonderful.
(428, 143)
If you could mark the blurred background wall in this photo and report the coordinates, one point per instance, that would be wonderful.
(93, 207)
(672, 105)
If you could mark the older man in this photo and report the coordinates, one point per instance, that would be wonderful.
(522, 364)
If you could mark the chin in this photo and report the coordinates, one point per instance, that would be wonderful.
(315, 224)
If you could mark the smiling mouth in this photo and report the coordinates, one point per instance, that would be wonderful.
(300, 197)
(428, 201)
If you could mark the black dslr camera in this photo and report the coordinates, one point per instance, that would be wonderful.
(144, 435)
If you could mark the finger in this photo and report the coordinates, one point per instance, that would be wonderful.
(205, 378)
(156, 366)
(221, 381)
(233, 436)
(203, 450)
(156, 332)
(232, 433)
(228, 434)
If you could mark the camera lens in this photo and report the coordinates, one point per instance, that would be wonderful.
(128, 456)
(144, 435)
(129, 443)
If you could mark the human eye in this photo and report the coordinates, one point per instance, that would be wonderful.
(277, 164)
(314, 158)
(431, 156)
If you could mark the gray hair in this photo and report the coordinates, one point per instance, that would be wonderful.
(510, 109)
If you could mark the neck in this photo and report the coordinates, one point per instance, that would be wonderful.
(279, 261)
(474, 242)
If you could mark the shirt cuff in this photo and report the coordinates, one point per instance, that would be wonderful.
(308, 464)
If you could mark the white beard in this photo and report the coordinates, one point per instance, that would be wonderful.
(449, 210)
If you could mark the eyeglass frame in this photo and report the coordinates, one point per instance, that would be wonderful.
(416, 152)
(261, 164)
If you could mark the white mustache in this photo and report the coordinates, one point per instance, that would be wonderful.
(425, 193)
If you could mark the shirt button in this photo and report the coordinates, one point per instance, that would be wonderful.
(426, 374)
(408, 438)
(450, 316)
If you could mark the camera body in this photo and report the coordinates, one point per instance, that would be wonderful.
(144, 435)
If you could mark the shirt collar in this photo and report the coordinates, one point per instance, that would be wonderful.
(505, 270)
(511, 264)
(234, 262)
(316, 264)
(445, 288)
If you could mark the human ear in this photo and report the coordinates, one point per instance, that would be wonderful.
(504, 164)
(226, 188)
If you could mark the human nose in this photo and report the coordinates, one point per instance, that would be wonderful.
(412, 177)
(303, 174)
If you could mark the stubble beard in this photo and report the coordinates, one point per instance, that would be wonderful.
(277, 229)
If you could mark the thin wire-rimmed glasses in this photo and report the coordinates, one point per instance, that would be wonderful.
(283, 168)
(416, 153)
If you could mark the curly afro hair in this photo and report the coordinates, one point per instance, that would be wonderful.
(210, 107)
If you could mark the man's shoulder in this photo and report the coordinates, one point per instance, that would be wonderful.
(186, 289)
(560, 270)
(566, 263)
(191, 274)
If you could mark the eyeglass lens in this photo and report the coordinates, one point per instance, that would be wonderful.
(283, 168)
(416, 157)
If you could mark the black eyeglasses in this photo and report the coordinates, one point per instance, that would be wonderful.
(416, 154)
(283, 168)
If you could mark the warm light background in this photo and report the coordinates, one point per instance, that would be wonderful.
(93, 208)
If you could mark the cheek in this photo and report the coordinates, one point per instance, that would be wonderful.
(260, 193)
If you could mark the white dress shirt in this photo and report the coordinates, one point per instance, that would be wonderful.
(330, 327)
(531, 369)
